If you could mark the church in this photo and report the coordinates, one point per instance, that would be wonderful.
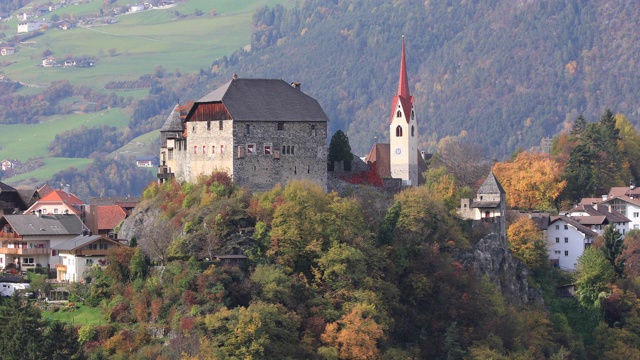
(400, 159)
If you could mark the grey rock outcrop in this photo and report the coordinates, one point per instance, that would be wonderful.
(491, 257)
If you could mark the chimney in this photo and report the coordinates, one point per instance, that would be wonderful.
(604, 197)
(297, 85)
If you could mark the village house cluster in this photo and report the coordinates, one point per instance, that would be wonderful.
(52, 230)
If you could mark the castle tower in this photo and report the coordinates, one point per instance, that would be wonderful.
(403, 131)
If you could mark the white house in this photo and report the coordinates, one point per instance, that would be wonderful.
(28, 240)
(626, 206)
(597, 217)
(80, 253)
(7, 50)
(566, 241)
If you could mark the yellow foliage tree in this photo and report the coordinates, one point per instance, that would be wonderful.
(527, 243)
(531, 181)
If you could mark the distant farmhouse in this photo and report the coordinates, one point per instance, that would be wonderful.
(29, 26)
(260, 131)
(7, 50)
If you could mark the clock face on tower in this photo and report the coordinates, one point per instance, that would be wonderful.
(398, 151)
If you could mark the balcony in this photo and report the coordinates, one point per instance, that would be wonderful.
(24, 251)
(60, 267)
(103, 252)
(9, 236)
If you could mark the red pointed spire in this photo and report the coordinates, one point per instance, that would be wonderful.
(403, 83)
(404, 96)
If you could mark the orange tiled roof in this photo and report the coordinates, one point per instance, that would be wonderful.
(110, 216)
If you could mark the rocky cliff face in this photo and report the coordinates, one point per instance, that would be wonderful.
(491, 257)
(132, 226)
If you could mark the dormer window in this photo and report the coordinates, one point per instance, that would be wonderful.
(399, 131)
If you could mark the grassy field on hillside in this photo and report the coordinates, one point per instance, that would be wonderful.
(80, 315)
(174, 38)
(30, 141)
(141, 41)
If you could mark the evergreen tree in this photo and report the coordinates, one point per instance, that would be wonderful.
(613, 247)
(340, 150)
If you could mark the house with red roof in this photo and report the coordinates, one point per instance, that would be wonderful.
(58, 202)
(104, 214)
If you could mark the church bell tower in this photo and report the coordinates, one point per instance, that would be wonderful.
(403, 131)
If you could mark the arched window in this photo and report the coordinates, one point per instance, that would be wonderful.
(412, 131)
(413, 115)
(399, 131)
(399, 113)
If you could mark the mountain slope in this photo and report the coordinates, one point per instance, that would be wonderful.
(507, 72)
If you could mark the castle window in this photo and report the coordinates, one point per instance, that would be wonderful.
(280, 126)
(240, 152)
(247, 129)
(220, 125)
(208, 124)
(308, 169)
(313, 130)
(170, 154)
(267, 149)
(399, 131)
(557, 240)
(285, 150)
(295, 170)
(566, 240)
(213, 149)
(222, 149)
(251, 149)
(399, 113)
(292, 150)
(566, 253)
(413, 131)
(195, 149)
(204, 150)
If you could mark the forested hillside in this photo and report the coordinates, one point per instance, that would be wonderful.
(509, 73)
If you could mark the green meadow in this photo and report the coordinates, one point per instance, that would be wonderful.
(174, 38)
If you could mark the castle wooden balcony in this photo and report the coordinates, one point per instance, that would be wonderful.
(24, 251)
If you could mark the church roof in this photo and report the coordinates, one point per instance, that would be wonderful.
(173, 122)
(379, 154)
(403, 96)
(491, 186)
(264, 100)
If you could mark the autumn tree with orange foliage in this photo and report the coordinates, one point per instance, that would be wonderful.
(531, 181)
(355, 335)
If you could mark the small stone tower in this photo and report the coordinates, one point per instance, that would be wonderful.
(403, 131)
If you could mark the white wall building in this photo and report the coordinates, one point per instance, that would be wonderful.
(566, 241)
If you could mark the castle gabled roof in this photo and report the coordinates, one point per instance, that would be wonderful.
(173, 122)
(264, 100)
(403, 96)
(491, 186)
